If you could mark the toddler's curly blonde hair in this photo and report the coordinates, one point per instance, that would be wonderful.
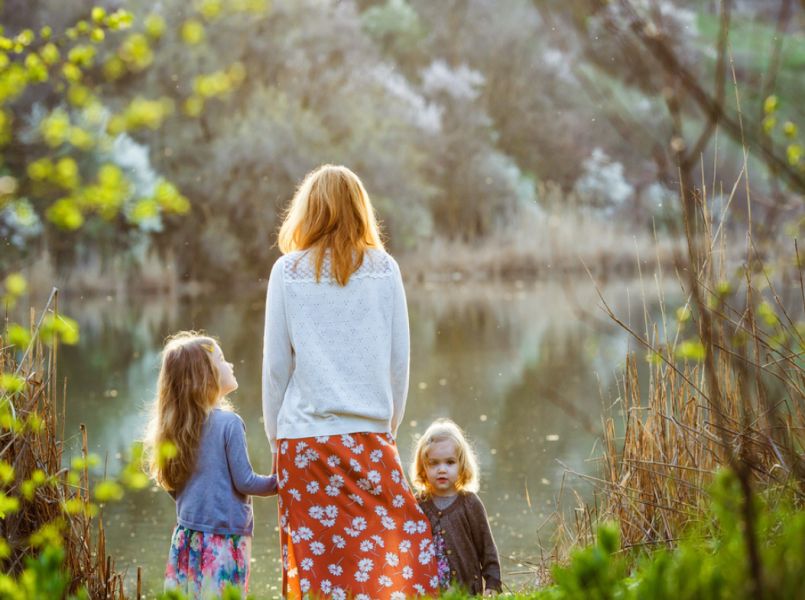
(439, 431)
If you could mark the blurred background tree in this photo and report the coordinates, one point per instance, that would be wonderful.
(457, 114)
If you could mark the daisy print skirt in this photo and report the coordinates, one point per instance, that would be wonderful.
(349, 524)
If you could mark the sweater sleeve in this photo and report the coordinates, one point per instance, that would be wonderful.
(277, 353)
(400, 350)
(246, 481)
(485, 545)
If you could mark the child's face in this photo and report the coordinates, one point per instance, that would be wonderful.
(441, 467)
(226, 373)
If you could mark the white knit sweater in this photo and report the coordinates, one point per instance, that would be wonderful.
(335, 359)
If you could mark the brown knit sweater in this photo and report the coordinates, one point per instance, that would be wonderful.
(470, 548)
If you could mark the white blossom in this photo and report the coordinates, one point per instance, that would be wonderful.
(317, 548)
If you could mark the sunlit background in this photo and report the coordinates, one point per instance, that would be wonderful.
(517, 153)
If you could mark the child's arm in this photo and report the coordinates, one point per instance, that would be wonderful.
(485, 545)
(277, 354)
(246, 481)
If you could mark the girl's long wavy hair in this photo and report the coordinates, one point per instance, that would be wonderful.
(331, 211)
(439, 431)
(187, 389)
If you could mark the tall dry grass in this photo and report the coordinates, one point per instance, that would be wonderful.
(547, 245)
(32, 441)
(725, 388)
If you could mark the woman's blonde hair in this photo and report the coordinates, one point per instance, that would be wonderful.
(331, 211)
(439, 431)
(187, 389)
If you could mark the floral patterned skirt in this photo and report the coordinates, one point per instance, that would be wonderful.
(202, 564)
(349, 525)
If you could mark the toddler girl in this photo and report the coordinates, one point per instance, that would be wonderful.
(197, 452)
(445, 472)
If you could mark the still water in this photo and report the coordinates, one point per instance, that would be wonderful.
(518, 365)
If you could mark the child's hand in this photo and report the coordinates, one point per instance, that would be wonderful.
(490, 592)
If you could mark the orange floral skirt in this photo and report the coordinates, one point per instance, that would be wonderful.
(349, 525)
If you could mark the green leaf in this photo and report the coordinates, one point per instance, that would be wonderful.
(6, 472)
(766, 312)
(18, 336)
(10, 383)
(108, 491)
(16, 285)
(8, 505)
(691, 350)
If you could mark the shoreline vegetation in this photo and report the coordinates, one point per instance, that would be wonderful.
(504, 260)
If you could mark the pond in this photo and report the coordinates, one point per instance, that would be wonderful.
(527, 369)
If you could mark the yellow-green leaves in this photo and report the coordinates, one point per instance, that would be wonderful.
(55, 128)
(165, 452)
(691, 350)
(18, 336)
(192, 32)
(771, 104)
(50, 534)
(65, 214)
(136, 52)
(141, 113)
(132, 475)
(29, 486)
(14, 286)
(98, 15)
(154, 26)
(213, 85)
(59, 327)
(169, 198)
(10, 383)
(108, 491)
(6, 473)
(210, 9)
(50, 54)
(766, 312)
(120, 19)
(8, 505)
(794, 153)
(80, 463)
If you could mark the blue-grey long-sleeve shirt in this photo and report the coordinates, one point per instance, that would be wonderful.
(216, 498)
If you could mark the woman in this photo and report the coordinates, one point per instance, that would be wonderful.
(335, 380)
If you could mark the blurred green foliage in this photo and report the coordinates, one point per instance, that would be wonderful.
(453, 113)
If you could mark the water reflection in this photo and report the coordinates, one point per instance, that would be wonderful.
(515, 365)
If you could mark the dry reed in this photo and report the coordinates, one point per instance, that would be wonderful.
(725, 389)
(37, 444)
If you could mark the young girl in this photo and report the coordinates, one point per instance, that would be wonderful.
(445, 472)
(197, 452)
